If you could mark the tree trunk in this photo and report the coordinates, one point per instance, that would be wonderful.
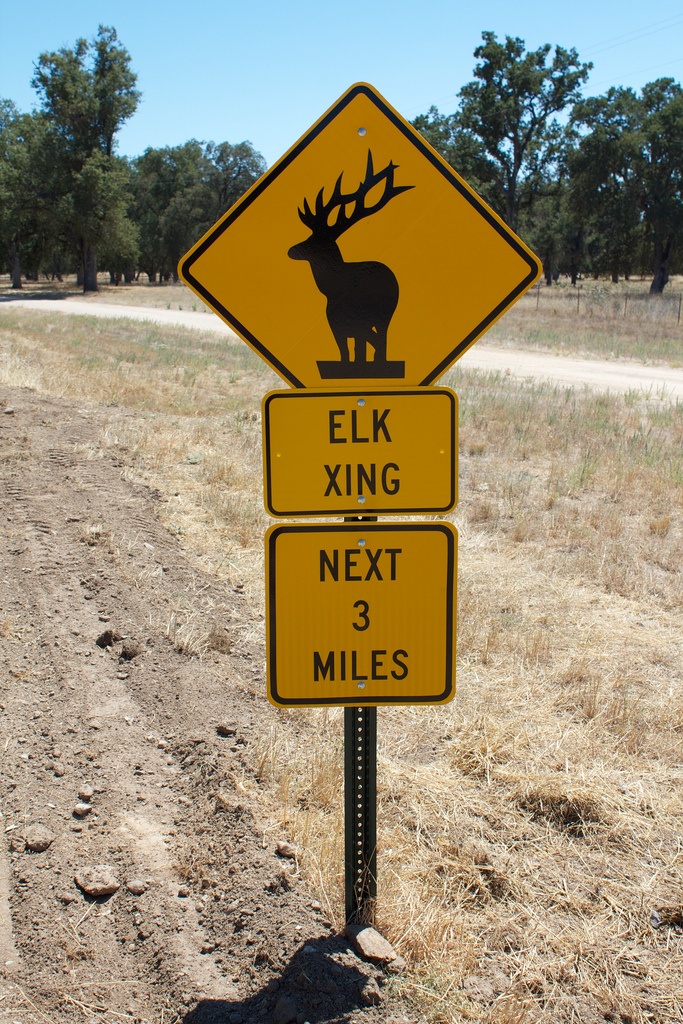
(15, 266)
(615, 277)
(79, 276)
(660, 267)
(89, 268)
(151, 274)
(129, 276)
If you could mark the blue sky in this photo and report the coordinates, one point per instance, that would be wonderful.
(264, 70)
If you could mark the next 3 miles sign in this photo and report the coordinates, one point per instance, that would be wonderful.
(353, 267)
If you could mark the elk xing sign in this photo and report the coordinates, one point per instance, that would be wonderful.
(361, 257)
(334, 453)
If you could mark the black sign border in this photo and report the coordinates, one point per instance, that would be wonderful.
(367, 509)
(358, 90)
(271, 618)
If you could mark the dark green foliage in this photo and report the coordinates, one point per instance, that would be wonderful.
(627, 176)
(504, 137)
(599, 194)
(68, 201)
(181, 191)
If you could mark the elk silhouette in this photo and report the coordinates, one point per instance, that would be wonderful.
(361, 297)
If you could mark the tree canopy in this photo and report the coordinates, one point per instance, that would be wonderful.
(594, 184)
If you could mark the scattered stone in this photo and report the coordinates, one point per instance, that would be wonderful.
(226, 802)
(136, 886)
(98, 880)
(9, 411)
(328, 987)
(95, 724)
(58, 768)
(38, 838)
(129, 649)
(285, 849)
(162, 744)
(369, 943)
(370, 994)
(66, 897)
(655, 919)
(82, 809)
(183, 892)
(107, 639)
(272, 986)
(285, 1011)
(16, 844)
(225, 730)
(86, 793)
(104, 618)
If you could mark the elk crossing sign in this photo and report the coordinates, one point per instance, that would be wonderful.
(361, 257)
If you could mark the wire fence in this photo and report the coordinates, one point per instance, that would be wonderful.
(608, 302)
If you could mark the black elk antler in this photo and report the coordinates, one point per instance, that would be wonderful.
(318, 220)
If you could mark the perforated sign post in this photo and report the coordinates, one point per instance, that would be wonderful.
(356, 267)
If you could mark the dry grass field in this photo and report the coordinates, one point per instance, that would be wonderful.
(530, 850)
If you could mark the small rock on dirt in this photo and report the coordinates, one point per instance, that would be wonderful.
(226, 730)
(38, 838)
(107, 639)
(58, 768)
(370, 994)
(66, 897)
(129, 649)
(183, 892)
(136, 886)
(98, 880)
(369, 943)
(86, 793)
(285, 849)
(82, 809)
(285, 1011)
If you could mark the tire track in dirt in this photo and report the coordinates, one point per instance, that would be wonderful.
(223, 926)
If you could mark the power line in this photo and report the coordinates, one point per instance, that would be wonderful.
(633, 34)
(632, 74)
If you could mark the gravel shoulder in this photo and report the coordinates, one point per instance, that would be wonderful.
(143, 878)
(618, 375)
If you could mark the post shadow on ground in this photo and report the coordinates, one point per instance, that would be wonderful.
(319, 988)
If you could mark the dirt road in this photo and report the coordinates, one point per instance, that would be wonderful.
(620, 375)
(124, 755)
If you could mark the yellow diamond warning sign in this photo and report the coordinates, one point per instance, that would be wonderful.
(361, 613)
(361, 256)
